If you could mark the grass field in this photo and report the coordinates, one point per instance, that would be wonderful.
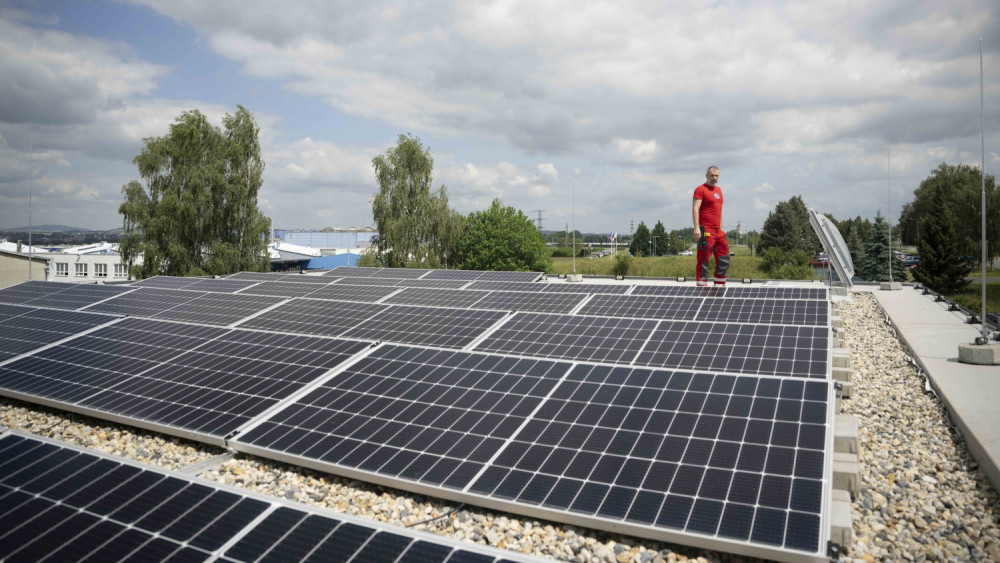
(659, 267)
(971, 297)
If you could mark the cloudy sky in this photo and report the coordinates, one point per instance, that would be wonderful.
(602, 113)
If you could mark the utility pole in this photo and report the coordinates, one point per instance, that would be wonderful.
(539, 220)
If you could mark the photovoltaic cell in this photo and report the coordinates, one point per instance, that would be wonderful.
(527, 287)
(766, 311)
(69, 504)
(510, 276)
(431, 326)
(408, 273)
(220, 285)
(203, 380)
(571, 337)
(166, 282)
(23, 329)
(642, 306)
(454, 275)
(738, 458)
(439, 284)
(429, 416)
(816, 293)
(314, 316)
(796, 351)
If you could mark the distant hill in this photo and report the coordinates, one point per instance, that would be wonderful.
(53, 229)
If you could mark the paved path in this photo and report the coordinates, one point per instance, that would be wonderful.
(970, 393)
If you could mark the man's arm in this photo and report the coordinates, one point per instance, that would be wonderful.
(695, 209)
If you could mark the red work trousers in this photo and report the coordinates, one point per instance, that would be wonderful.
(712, 242)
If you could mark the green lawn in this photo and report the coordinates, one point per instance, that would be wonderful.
(659, 267)
(972, 296)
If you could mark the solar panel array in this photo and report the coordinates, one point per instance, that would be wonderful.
(68, 504)
(695, 415)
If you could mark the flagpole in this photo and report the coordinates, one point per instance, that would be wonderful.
(982, 176)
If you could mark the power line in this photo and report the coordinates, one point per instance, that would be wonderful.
(539, 220)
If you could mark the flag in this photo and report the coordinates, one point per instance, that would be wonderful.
(612, 236)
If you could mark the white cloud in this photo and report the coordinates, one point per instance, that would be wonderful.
(764, 188)
(761, 205)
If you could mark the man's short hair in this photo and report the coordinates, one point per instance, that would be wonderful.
(710, 168)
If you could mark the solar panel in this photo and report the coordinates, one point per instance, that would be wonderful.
(766, 311)
(282, 289)
(453, 275)
(510, 276)
(432, 326)
(643, 306)
(220, 285)
(737, 461)
(75, 296)
(371, 281)
(202, 380)
(440, 284)
(66, 503)
(422, 416)
(566, 287)
(351, 292)
(352, 271)
(218, 308)
(24, 329)
(314, 316)
(763, 292)
(682, 290)
(144, 302)
(796, 351)
(526, 287)
(436, 297)
(166, 282)
(535, 302)
(399, 272)
(571, 337)
(295, 278)
(22, 293)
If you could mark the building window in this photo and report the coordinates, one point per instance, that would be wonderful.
(62, 269)
(81, 270)
(100, 270)
(120, 271)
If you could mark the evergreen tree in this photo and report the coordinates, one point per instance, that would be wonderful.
(788, 228)
(874, 265)
(942, 267)
(198, 211)
(659, 236)
(640, 241)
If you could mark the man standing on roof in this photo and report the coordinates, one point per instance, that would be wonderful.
(706, 212)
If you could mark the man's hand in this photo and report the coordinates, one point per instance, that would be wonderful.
(697, 234)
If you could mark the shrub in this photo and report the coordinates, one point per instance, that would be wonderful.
(623, 261)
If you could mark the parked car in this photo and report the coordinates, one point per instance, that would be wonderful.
(911, 261)
(820, 261)
(685, 253)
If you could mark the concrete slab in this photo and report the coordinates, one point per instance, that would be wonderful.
(842, 374)
(845, 433)
(980, 354)
(969, 392)
(890, 286)
(841, 525)
(841, 358)
(846, 474)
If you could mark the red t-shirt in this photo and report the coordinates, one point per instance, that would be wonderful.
(710, 213)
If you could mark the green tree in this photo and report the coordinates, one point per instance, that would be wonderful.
(659, 236)
(961, 187)
(788, 228)
(623, 261)
(416, 228)
(503, 238)
(676, 244)
(640, 241)
(942, 267)
(874, 265)
(198, 211)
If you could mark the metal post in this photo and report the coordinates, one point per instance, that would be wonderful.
(31, 248)
(574, 226)
(888, 153)
(982, 140)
